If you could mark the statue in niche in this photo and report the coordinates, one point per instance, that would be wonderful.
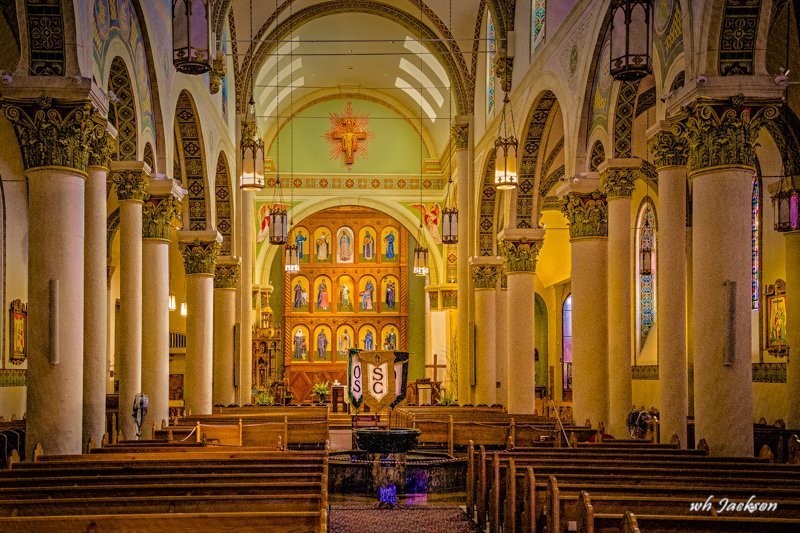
(390, 342)
(390, 295)
(369, 246)
(344, 296)
(300, 348)
(345, 342)
(345, 249)
(297, 302)
(366, 296)
(369, 341)
(323, 247)
(323, 301)
(322, 344)
(389, 240)
(300, 240)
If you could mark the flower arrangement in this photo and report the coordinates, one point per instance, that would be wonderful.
(263, 397)
(321, 391)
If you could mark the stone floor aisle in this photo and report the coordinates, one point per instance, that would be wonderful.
(403, 519)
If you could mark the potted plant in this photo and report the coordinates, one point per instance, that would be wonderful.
(263, 397)
(320, 391)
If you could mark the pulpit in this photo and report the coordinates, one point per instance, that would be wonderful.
(338, 398)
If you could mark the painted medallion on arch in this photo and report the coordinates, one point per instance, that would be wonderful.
(345, 340)
(299, 296)
(300, 237)
(323, 300)
(345, 242)
(389, 244)
(367, 337)
(390, 338)
(346, 300)
(300, 343)
(322, 245)
(367, 288)
(389, 289)
(368, 244)
(323, 343)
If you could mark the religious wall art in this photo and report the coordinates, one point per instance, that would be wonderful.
(366, 294)
(323, 290)
(389, 336)
(322, 245)
(300, 293)
(777, 342)
(18, 334)
(344, 245)
(366, 338)
(367, 238)
(389, 286)
(323, 343)
(301, 239)
(175, 387)
(300, 343)
(263, 219)
(348, 135)
(430, 217)
(345, 340)
(346, 294)
(389, 242)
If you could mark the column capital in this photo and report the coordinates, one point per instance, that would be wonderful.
(504, 67)
(587, 215)
(51, 133)
(130, 179)
(100, 141)
(520, 248)
(485, 271)
(226, 272)
(460, 135)
(162, 206)
(723, 132)
(669, 146)
(199, 250)
(618, 176)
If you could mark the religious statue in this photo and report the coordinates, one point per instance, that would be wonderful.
(322, 344)
(344, 296)
(345, 342)
(348, 135)
(366, 296)
(299, 240)
(369, 341)
(369, 246)
(323, 247)
(389, 240)
(345, 251)
(300, 348)
(390, 342)
(298, 296)
(390, 295)
(322, 295)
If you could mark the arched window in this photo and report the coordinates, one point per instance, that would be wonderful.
(538, 15)
(756, 241)
(566, 345)
(491, 50)
(646, 271)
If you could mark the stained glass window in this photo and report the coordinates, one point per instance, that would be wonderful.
(646, 270)
(566, 344)
(756, 241)
(538, 12)
(491, 50)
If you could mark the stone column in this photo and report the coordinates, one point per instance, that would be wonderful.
(485, 274)
(95, 309)
(671, 156)
(461, 143)
(520, 249)
(226, 277)
(56, 173)
(501, 340)
(200, 250)
(618, 177)
(247, 225)
(792, 247)
(587, 214)
(159, 211)
(130, 179)
(721, 137)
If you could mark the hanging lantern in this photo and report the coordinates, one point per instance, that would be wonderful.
(450, 225)
(421, 261)
(505, 166)
(786, 206)
(171, 302)
(278, 226)
(252, 152)
(631, 39)
(183, 309)
(646, 261)
(190, 36)
(291, 260)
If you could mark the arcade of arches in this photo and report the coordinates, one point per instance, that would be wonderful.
(636, 263)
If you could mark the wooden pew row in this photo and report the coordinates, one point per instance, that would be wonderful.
(300, 433)
(632, 523)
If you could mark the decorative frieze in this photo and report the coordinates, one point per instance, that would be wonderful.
(51, 134)
(769, 372)
(460, 133)
(725, 133)
(131, 183)
(199, 257)
(226, 275)
(619, 182)
(158, 212)
(520, 255)
(485, 276)
(669, 148)
(587, 215)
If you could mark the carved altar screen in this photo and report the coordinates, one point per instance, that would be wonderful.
(351, 292)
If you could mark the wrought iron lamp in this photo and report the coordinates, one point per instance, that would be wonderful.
(252, 151)
(786, 206)
(646, 261)
(631, 39)
(184, 311)
(291, 259)
(506, 147)
(450, 212)
(190, 36)
(278, 233)
(420, 255)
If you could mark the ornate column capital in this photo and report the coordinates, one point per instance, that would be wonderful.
(162, 206)
(485, 271)
(520, 248)
(226, 273)
(51, 133)
(504, 67)
(618, 176)
(587, 214)
(669, 145)
(99, 142)
(130, 179)
(200, 250)
(460, 134)
(218, 70)
(724, 132)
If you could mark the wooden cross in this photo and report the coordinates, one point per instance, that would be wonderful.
(436, 366)
(349, 138)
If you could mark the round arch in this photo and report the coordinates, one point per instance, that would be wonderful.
(487, 221)
(191, 153)
(122, 111)
(223, 204)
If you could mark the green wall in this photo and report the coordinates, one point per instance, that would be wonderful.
(416, 318)
(540, 312)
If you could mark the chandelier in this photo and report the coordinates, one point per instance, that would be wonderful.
(252, 145)
(786, 206)
(506, 146)
(631, 39)
(450, 211)
(190, 36)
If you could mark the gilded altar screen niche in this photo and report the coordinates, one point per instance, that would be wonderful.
(351, 292)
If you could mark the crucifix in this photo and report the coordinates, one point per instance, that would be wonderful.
(436, 366)
(348, 134)
(349, 138)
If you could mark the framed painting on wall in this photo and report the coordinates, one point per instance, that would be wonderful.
(775, 325)
(18, 332)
